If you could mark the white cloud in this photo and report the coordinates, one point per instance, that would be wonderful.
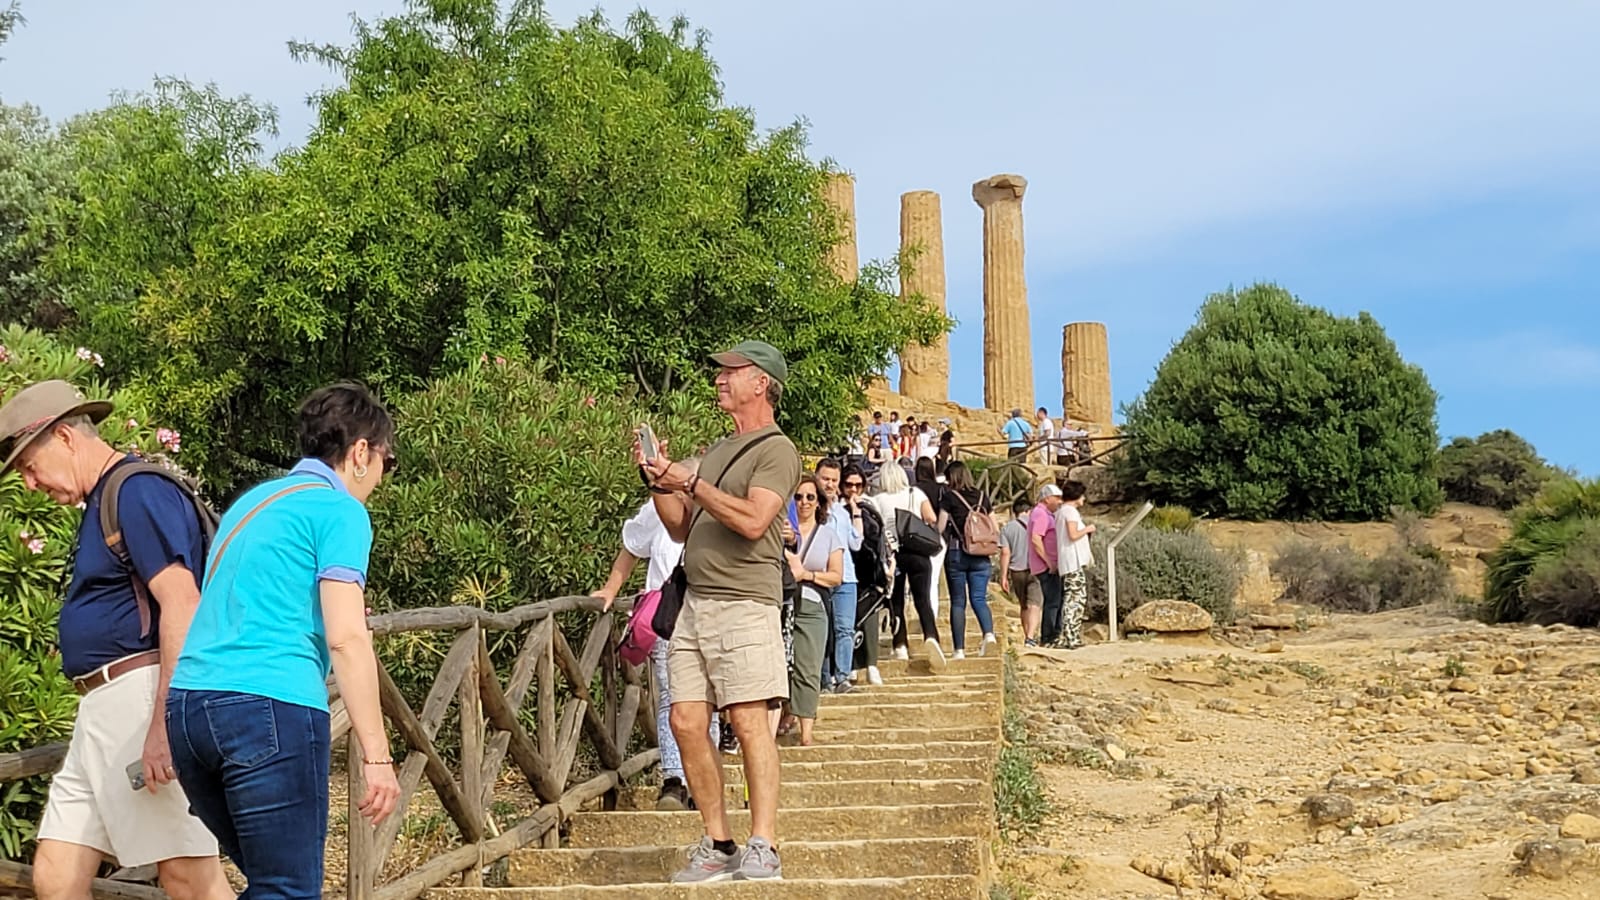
(1531, 358)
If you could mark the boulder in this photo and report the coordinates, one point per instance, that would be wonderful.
(1169, 616)
(1582, 826)
(1313, 883)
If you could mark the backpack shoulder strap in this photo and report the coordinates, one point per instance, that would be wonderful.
(110, 497)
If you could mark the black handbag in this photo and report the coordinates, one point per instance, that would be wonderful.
(916, 536)
(665, 621)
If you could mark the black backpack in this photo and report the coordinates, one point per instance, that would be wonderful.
(111, 526)
(870, 560)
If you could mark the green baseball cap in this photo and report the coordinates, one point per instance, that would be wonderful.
(760, 354)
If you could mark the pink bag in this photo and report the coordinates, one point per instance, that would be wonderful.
(638, 638)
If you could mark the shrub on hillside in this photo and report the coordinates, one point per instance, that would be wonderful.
(1161, 565)
(1272, 409)
(1170, 518)
(37, 703)
(1540, 572)
(1497, 469)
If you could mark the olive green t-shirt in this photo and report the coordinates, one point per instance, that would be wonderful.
(721, 565)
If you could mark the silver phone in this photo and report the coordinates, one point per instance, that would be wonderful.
(136, 775)
(647, 442)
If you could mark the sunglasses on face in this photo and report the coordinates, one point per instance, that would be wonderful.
(805, 498)
(856, 485)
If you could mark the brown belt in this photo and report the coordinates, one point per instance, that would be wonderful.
(106, 674)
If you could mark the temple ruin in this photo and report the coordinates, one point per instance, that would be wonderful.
(924, 368)
(1086, 372)
(1007, 354)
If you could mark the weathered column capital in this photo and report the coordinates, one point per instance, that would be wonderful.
(998, 188)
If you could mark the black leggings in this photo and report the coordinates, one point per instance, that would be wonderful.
(919, 569)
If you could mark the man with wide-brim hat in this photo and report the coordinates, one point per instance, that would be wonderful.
(118, 647)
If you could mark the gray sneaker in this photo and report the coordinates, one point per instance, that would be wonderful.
(706, 865)
(760, 862)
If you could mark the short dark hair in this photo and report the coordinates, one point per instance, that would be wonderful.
(1020, 506)
(1044, 410)
(828, 462)
(877, 414)
(334, 417)
(1073, 489)
(852, 469)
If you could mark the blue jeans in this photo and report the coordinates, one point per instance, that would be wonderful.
(256, 773)
(968, 577)
(838, 662)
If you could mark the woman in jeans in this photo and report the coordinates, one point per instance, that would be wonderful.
(282, 603)
(968, 575)
(911, 569)
(818, 564)
(927, 479)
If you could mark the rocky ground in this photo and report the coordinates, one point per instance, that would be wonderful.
(1410, 755)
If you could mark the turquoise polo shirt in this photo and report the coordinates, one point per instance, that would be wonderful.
(259, 626)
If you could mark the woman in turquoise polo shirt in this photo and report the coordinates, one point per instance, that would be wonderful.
(280, 605)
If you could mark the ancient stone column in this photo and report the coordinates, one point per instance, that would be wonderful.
(924, 368)
(840, 195)
(1086, 373)
(1007, 355)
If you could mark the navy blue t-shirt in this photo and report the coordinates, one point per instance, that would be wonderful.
(100, 615)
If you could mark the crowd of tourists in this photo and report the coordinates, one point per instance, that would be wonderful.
(202, 648)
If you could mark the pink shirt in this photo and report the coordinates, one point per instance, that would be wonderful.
(1042, 522)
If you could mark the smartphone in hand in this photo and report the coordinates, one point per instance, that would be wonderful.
(647, 442)
(136, 775)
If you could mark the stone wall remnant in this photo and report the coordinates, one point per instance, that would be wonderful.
(1086, 372)
(1007, 353)
(924, 368)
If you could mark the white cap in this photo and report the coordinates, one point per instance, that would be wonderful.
(1049, 490)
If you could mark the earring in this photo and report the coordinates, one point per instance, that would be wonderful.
(360, 472)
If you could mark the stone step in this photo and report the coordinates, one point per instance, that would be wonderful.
(917, 665)
(856, 770)
(631, 829)
(892, 858)
(897, 791)
(928, 750)
(837, 731)
(908, 693)
(900, 715)
(926, 887)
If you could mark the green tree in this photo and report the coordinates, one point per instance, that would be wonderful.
(491, 184)
(1548, 570)
(34, 173)
(1271, 408)
(1497, 468)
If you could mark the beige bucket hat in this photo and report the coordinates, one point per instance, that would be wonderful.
(31, 411)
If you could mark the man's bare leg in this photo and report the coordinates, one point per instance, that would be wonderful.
(702, 764)
(752, 726)
(194, 878)
(1032, 616)
(63, 871)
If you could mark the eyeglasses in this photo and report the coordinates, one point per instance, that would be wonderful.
(857, 485)
(805, 498)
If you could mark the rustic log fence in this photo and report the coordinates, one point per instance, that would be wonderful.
(492, 736)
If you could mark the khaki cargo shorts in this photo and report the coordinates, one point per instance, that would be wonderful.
(92, 804)
(725, 652)
(1026, 588)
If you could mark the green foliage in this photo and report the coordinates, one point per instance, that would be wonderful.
(1270, 408)
(1542, 571)
(33, 174)
(1170, 518)
(37, 703)
(1163, 565)
(1021, 803)
(479, 184)
(1497, 469)
(1411, 572)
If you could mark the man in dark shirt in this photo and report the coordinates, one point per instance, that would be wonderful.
(122, 625)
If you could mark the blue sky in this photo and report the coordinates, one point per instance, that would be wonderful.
(1436, 163)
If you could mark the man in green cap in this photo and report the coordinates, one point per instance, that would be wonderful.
(727, 651)
(123, 621)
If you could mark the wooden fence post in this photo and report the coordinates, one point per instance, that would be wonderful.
(360, 875)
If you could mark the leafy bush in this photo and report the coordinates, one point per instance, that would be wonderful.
(37, 703)
(1538, 574)
(1162, 565)
(1272, 409)
(1170, 518)
(1410, 572)
(1497, 469)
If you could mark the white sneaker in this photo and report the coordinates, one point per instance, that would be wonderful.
(873, 676)
(902, 652)
(936, 660)
(961, 654)
(988, 641)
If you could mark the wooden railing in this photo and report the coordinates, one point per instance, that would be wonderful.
(602, 704)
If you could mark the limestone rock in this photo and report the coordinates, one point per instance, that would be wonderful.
(1085, 372)
(1588, 773)
(1549, 859)
(1313, 883)
(1508, 666)
(1464, 685)
(1279, 622)
(1007, 348)
(1328, 809)
(1582, 826)
(1171, 871)
(1169, 616)
(924, 368)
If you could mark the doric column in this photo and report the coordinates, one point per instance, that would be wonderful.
(840, 195)
(1086, 373)
(1007, 355)
(924, 368)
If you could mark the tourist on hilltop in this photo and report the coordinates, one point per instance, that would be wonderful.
(874, 568)
(644, 537)
(1043, 556)
(845, 520)
(878, 452)
(931, 482)
(927, 442)
(1072, 444)
(1017, 431)
(1045, 430)
(912, 569)
(907, 448)
(283, 603)
(727, 649)
(1016, 577)
(947, 446)
(818, 565)
(966, 572)
(1072, 537)
(123, 620)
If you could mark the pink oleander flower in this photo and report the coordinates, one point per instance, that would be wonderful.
(499, 360)
(87, 355)
(169, 439)
(5, 354)
(589, 402)
(36, 546)
(133, 423)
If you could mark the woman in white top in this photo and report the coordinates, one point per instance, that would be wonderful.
(818, 564)
(1072, 542)
(916, 570)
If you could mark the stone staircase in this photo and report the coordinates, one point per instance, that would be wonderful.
(895, 800)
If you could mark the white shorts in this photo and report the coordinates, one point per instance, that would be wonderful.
(92, 803)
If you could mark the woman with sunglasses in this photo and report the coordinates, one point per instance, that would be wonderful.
(818, 565)
(874, 567)
(281, 604)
